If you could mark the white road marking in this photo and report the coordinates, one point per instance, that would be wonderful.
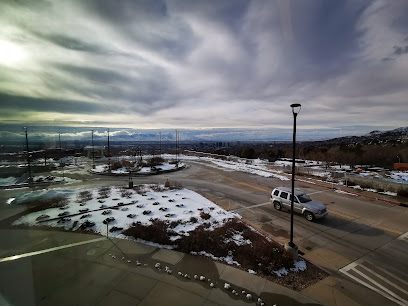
(403, 237)
(385, 280)
(50, 250)
(387, 277)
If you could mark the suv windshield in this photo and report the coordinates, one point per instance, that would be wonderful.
(303, 198)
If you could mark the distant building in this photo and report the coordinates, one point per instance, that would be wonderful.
(401, 166)
(99, 151)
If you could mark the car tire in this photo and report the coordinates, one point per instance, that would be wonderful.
(277, 205)
(309, 216)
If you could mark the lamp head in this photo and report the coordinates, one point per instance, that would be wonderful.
(296, 108)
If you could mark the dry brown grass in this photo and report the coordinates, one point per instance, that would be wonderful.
(261, 255)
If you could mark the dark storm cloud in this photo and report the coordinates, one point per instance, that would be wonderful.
(138, 94)
(10, 103)
(73, 43)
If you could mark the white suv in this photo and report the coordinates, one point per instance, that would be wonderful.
(302, 203)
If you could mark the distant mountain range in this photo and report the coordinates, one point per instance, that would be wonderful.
(15, 133)
(376, 136)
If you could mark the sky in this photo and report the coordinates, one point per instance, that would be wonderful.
(219, 68)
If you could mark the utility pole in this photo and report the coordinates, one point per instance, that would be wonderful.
(60, 151)
(160, 146)
(30, 179)
(176, 148)
(109, 156)
(108, 145)
(93, 152)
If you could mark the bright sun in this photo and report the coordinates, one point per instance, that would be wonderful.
(10, 53)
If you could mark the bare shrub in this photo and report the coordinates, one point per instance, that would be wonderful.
(366, 185)
(157, 187)
(121, 164)
(84, 196)
(176, 185)
(402, 193)
(156, 232)
(193, 220)
(126, 193)
(205, 216)
(260, 254)
(104, 192)
(140, 189)
(155, 161)
(350, 184)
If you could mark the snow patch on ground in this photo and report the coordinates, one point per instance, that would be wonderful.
(43, 194)
(400, 176)
(143, 170)
(9, 201)
(228, 259)
(55, 179)
(238, 239)
(345, 192)
(168, 205)
(299, 265)
(394, 194)
(5, 181)
(238, 166)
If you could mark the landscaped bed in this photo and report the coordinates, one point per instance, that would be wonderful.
(178, 219)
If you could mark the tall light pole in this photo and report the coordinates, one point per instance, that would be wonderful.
(176, 148)
(109, 156)
(93, 152)
(160, 146)
(60, 154)
(399, 159)
(30, 179)
(290, 246)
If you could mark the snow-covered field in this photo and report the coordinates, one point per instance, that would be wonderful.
(4, 181)
(401, 176)
(54, 179)
(253, 169)
(143, 170)
(168, 205)
(113, 210)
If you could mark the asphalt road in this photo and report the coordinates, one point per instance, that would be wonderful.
(360, 241)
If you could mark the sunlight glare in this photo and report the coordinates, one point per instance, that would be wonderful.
(10, 53)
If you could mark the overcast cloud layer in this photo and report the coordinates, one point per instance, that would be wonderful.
(205, 64)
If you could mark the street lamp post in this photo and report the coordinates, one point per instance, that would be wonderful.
(93, 152)
(60, 150)
(30, 179)
(399, 159)
(290, 246)
(109, 156)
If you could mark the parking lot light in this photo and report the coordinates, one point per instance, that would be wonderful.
(291, 247)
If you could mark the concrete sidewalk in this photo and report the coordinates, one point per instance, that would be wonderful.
(96, 274)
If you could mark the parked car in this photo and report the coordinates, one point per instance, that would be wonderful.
(302, 203)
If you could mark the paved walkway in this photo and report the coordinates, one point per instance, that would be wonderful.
(95, 274)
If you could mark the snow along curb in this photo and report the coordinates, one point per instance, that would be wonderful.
(357, 194)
